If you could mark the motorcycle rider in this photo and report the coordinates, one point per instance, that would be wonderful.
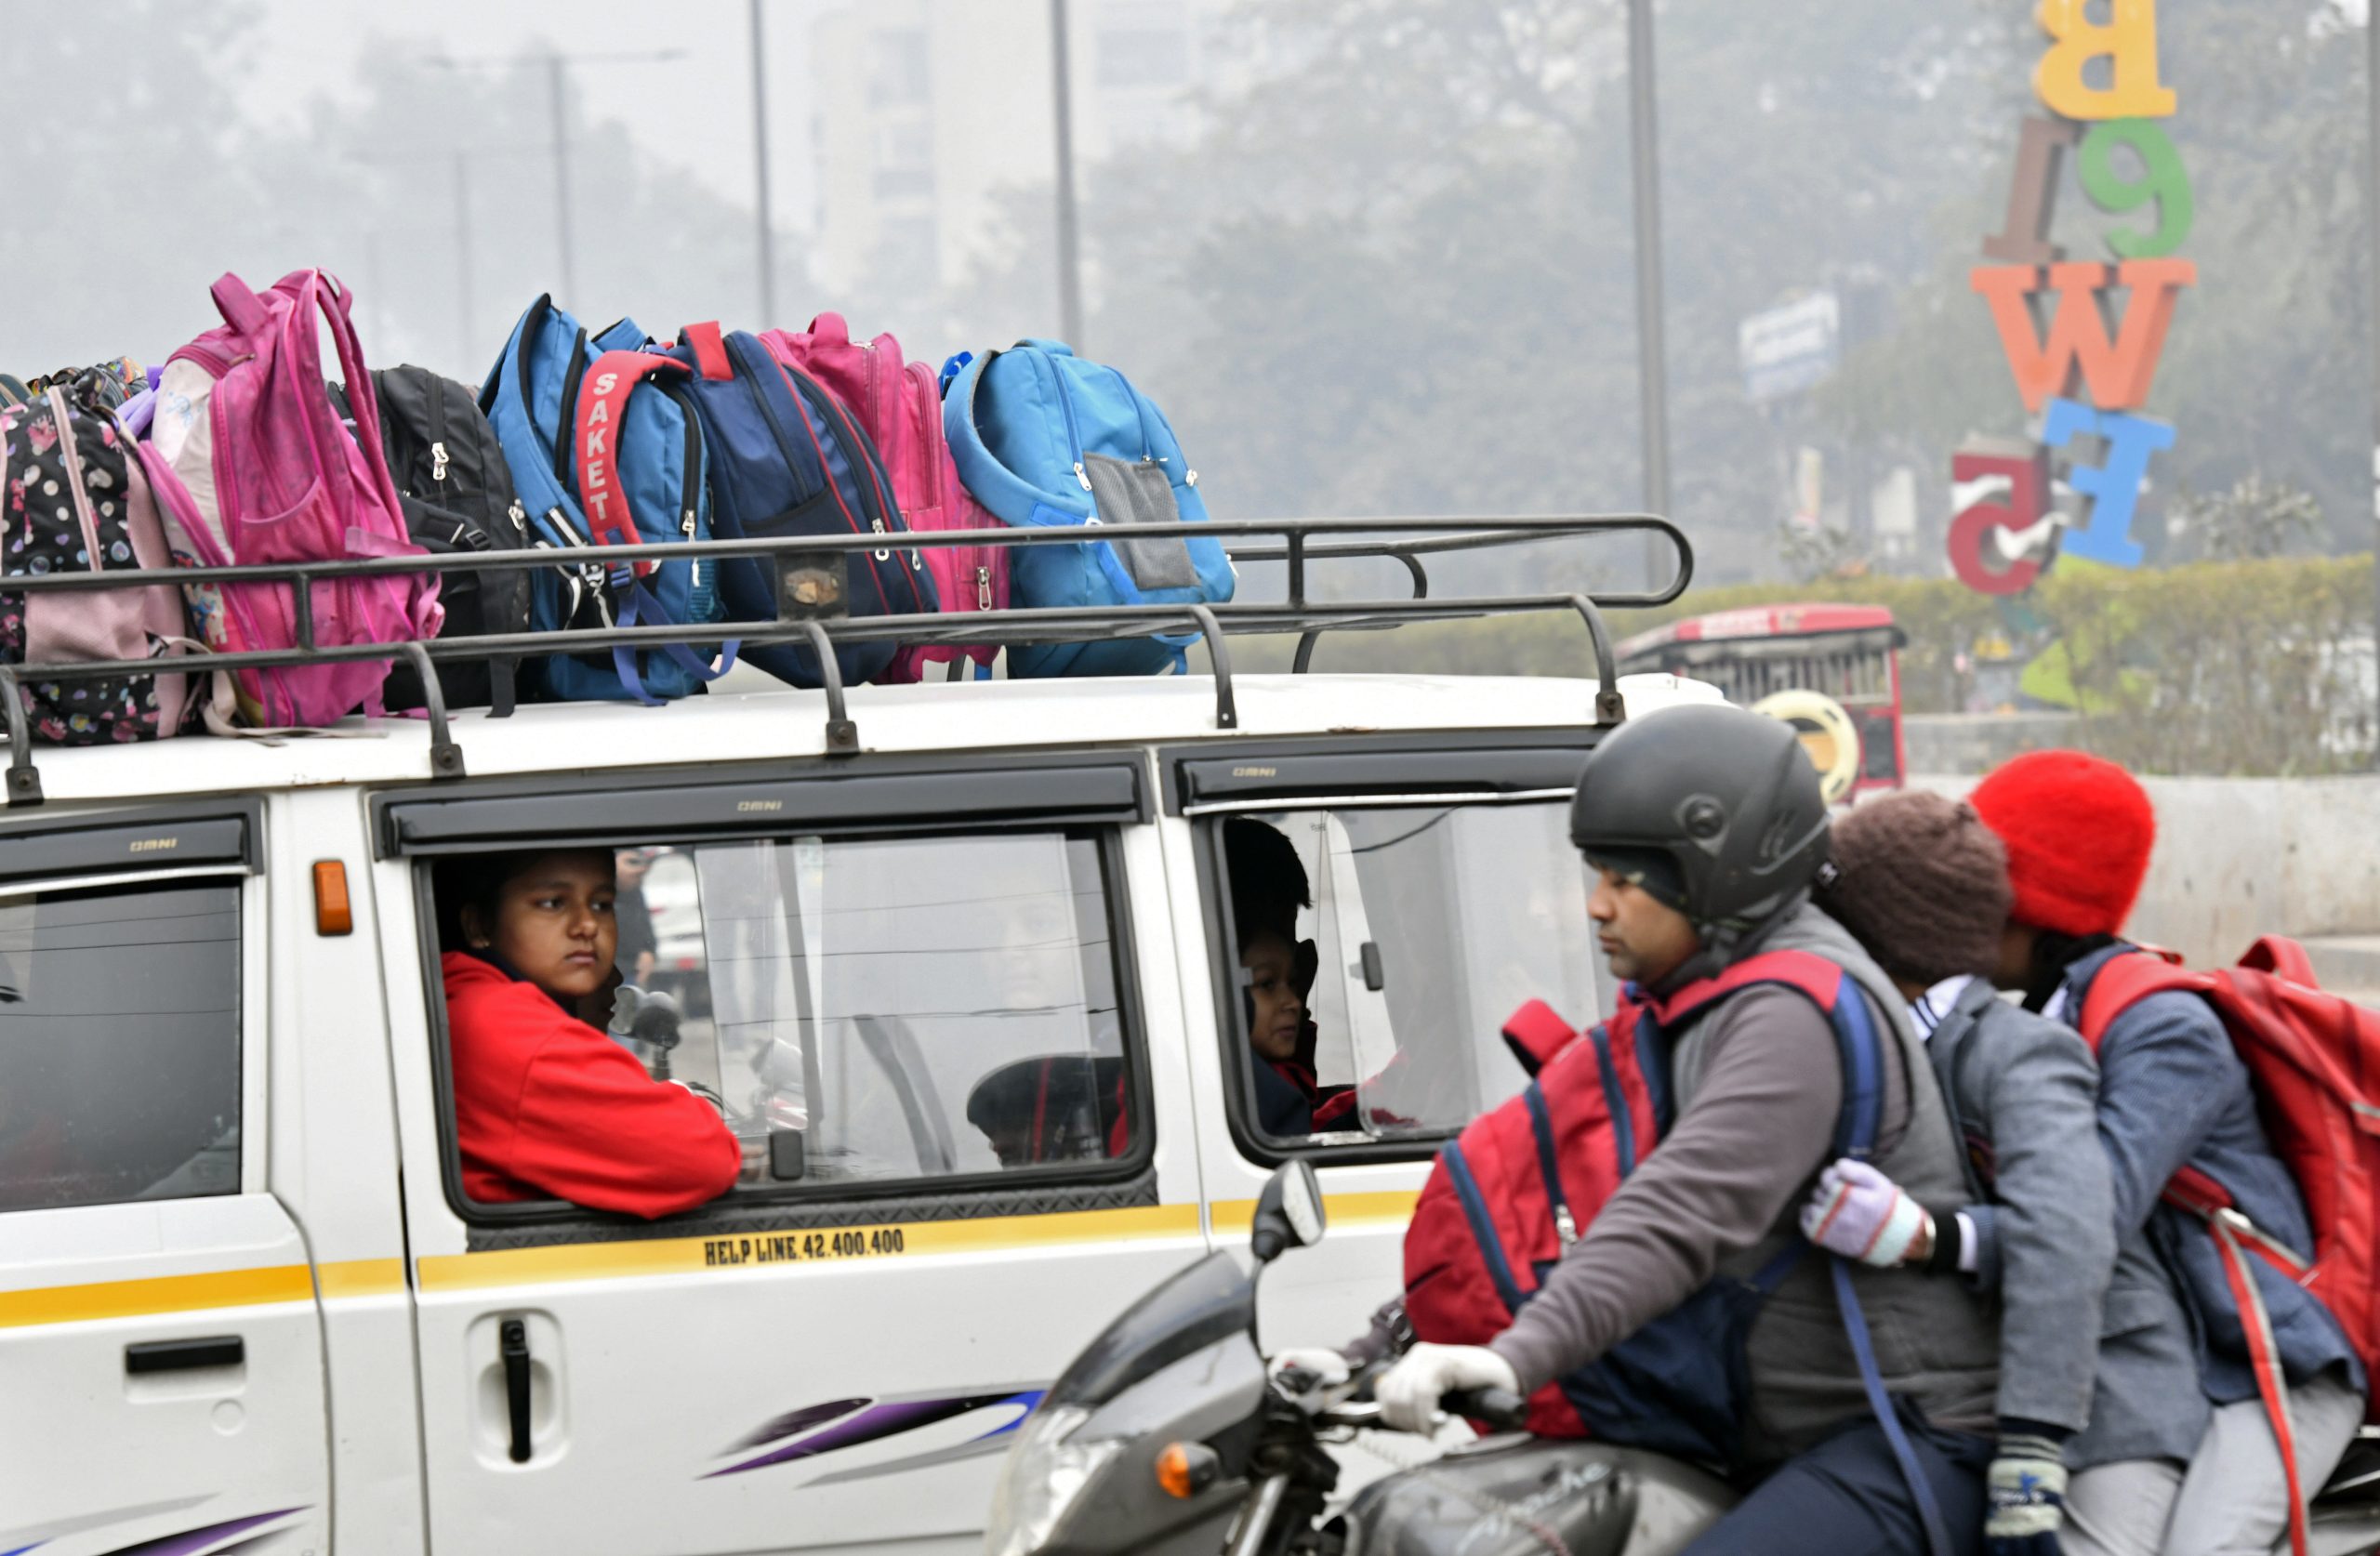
(1706, 829)
(1924, 885)
(2183, 1458)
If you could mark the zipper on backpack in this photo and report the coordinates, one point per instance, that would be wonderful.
(563, 431)
(983, 588)
(438, 461)
(1067, 408)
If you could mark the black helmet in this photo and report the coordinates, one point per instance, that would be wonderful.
(1715, 810)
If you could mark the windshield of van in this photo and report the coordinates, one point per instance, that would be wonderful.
(1415, 930)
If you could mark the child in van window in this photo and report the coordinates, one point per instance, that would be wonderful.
(1286, 1090)
(546, 1105)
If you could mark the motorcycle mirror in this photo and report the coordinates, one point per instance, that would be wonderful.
(1289, 1213)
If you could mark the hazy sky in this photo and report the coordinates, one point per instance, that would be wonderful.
(695, 110)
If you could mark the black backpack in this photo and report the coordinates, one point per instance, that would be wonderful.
(458, 496)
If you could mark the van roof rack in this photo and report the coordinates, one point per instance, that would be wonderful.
(815, 567)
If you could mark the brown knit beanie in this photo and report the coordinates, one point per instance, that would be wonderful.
(1922, 884)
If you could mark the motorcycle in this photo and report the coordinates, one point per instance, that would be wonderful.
(1169, 1436)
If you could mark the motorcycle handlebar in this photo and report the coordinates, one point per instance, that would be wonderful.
(1500, 1408)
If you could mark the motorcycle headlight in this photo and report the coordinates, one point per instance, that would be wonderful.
(1046, 1473)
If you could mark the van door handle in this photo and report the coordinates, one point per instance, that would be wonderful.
(513, 1343)
(180, 1355)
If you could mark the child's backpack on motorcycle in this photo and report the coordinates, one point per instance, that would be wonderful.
(788, 459)
(245, 418)
(1510, 1194)
(76, 496)
(1045, 438)
(899, 405)
(458, 496)
(2314, 1060)
(532, 399)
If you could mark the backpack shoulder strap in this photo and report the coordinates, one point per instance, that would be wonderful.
(1857, 1039)
(2123, 982)
(601, 403)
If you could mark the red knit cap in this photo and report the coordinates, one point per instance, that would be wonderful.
(2077, 830)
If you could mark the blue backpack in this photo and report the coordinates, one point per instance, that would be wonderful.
(789, 459)
(1044, 438)
(532, 399)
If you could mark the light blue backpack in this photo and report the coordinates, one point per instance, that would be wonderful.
(1043, 437)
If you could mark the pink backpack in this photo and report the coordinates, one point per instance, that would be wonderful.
(75, 498)
(270, 474)
(899, 403)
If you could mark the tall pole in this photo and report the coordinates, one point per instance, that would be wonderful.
(760, 170)
(463, 309)
(2372, 265)
(1652, 373)
(555, 65)
(1069, 228)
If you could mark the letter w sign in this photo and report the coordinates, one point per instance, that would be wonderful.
(2118, 362)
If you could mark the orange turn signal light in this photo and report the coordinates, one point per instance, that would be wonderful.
(333, 915)
(1183, 1470)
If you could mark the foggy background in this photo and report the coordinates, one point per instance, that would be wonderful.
(1371, 256)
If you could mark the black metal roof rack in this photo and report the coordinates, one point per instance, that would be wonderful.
(814, 567)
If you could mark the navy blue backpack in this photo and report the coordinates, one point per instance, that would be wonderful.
(787, 459)
(533, 398)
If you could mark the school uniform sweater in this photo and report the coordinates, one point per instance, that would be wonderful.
(548, 1107)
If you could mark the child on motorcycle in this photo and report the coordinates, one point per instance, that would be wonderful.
(1923, 886)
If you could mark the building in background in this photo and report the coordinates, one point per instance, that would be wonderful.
(924, 112)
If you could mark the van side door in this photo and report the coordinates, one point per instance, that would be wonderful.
(1430, 888)
(926, 1004)
(160, 1340)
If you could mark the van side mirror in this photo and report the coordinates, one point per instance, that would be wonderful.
(1289, 1213)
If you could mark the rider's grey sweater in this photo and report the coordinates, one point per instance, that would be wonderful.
(2023, 1093)
(1759, 1088)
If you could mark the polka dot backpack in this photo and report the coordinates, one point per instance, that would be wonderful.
(75, 496)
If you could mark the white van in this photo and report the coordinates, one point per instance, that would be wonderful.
(970, 992)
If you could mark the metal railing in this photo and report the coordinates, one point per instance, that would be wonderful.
(812, 567)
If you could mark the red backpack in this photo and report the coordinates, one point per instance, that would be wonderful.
(2314, 1060)
(1508, 1197)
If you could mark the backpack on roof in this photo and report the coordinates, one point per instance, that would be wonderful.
(243, 417)
(76, 496)
(1508, 1197)
(2314, 1060)
(457, 492)
(789, 459)
(899, 405)
(532, 398)
(1045, 438)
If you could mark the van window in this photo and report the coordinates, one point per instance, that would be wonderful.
(119, 1044)
(912, 1006)
(1418, 931)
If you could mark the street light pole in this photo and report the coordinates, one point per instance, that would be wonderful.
(555, 65)
(1652, 373)
(760, 170)
(2372, 264)
(463, 254)
(1069, 229)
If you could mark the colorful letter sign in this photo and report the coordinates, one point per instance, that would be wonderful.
(2084, 327)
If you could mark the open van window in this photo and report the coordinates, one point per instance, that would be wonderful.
(1424, 928)
(870, 1010)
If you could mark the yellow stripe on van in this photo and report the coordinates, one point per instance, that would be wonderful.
(158, 1294)
(360, 1278)
(1384, 1207)
(744, 1250)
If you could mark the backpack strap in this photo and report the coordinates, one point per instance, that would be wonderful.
(1535, 1034)
(2123, 982)
(602, 401)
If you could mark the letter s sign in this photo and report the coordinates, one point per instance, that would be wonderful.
(1978, 567)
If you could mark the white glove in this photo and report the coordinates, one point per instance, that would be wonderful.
(1327, 1366)
(1861, 1214)
(1408, 1393)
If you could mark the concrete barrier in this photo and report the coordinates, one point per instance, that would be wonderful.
(2241, 857)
